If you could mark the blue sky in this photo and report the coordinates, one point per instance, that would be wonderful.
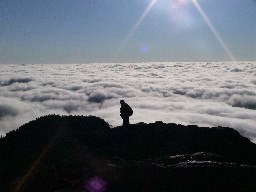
(84, 31)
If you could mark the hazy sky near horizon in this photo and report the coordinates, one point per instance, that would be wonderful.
(84, 31)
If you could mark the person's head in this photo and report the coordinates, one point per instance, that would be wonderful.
(121, 101)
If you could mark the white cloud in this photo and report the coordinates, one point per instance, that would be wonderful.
(206, 94)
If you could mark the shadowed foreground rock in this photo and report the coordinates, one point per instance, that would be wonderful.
(77, 153)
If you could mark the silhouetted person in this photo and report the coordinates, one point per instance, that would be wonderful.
(125, 112)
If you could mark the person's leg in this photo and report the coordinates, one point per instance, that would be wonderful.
(126, 121)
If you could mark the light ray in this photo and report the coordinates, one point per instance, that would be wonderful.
(136, 26)
(36, 164)
(214, 31)
(26, 178)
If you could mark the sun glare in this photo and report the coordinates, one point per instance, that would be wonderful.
(138, 23)
(179, 2)
(214, 31)
(179, 14)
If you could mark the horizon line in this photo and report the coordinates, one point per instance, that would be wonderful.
(227, 61)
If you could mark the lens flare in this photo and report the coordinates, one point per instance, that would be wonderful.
(136, 26)
(96, 184)
(138, 23)
(176, 4)
(179, 2)
(214, 31)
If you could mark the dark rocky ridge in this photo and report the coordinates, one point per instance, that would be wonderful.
(62, 153)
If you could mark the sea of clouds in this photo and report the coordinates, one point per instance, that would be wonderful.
(205, 94)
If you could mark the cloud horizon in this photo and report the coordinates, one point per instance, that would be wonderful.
(205, 93)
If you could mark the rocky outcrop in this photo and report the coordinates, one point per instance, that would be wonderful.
(78, 153)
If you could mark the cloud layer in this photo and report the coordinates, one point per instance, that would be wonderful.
(206, 94)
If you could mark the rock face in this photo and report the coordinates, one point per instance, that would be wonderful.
(77, 153)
